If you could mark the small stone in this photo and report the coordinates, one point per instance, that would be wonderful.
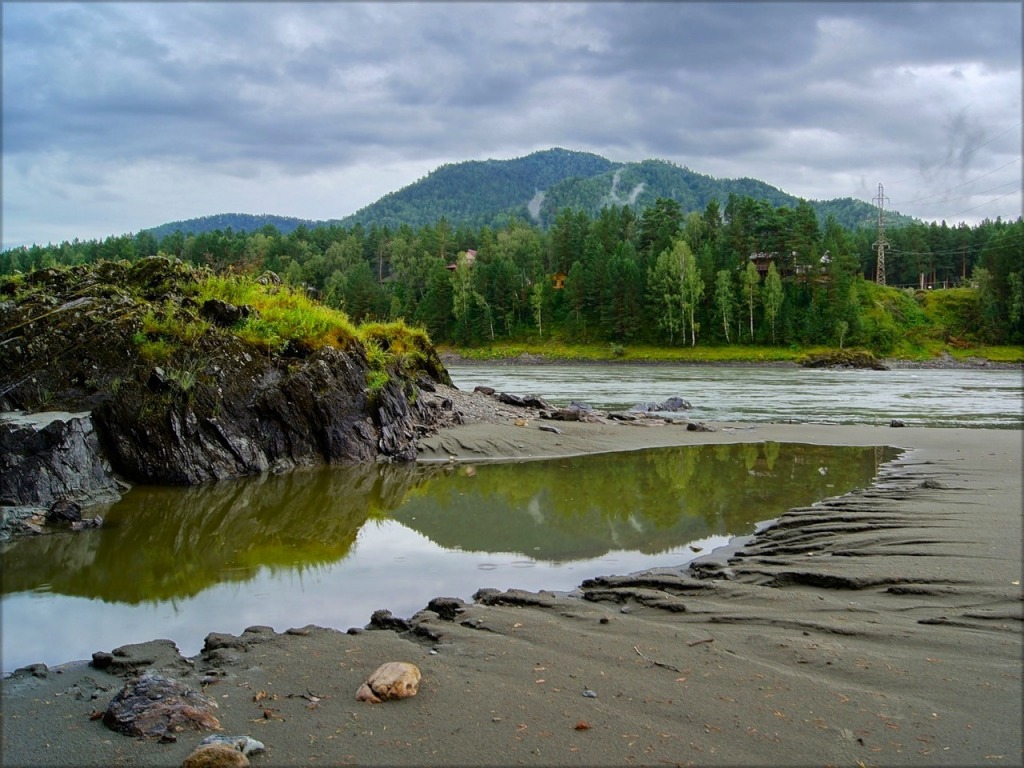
(699, 426)
(589, 694)
(215, 756)
(244, 744)
(64, 511)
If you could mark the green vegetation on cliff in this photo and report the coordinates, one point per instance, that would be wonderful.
(174, 314)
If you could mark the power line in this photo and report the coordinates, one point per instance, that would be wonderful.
(970, 152)
(986, 203)
(972, 248)
(969, 181)
(982, 192)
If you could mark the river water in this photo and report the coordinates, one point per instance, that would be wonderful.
(330, 546)
(920, 397)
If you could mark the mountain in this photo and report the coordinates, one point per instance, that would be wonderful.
(479, 192)
(535, 187)
(237, 222)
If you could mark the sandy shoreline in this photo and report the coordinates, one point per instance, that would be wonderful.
(882, 627)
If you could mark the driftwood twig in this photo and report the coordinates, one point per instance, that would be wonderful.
(655, 662)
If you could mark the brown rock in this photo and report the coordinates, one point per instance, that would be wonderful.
(215, 756)
(159, 707)
(392, 680)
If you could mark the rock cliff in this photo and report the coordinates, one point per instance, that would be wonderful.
(179, 395)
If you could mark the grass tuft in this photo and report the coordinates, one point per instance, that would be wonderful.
(283, 315)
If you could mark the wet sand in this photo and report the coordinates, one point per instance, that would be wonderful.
(883, 627)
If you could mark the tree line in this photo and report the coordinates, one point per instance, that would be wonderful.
(751, 273)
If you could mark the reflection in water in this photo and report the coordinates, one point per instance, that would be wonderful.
(649, 501)
(331, 545)
(160, 543)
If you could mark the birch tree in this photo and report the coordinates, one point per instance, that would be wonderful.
(773, 296)
(666, 292)
(751, 290)
(725, 301)
(692, 286)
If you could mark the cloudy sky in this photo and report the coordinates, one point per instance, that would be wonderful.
(118, 117)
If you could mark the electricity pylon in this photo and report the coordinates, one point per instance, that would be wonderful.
(881, 243)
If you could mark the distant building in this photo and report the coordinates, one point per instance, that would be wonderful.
(786, 265)
(470, 259)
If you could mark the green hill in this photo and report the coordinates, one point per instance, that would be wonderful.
(534, 188)
(480, 192)
(237, 222)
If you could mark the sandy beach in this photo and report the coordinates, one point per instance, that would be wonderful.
(883, 627)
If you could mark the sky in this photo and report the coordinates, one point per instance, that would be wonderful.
(123, 116)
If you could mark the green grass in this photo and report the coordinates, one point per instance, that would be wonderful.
(392, 345)
(170, 323)
(728, 354)
(285, 315)
(1013, 354)
(557, 350)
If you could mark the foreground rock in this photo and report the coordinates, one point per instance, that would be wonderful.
(51, 467)
(392, 680)
(214, 407)
(159, 707)
(216, 756)
(223, 752)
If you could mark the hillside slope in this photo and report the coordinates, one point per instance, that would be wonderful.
(534, 188)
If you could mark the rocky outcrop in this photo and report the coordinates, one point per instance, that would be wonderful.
(50, 457)
(253, 418)
(215, 405)
(51, 468)
(844, 358)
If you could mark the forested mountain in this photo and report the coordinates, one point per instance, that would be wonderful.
(237, 222)
(535, 188)
(481, 192)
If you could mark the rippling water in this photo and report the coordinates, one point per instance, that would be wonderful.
(920, 397)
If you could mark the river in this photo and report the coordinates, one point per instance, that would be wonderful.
(971, 397)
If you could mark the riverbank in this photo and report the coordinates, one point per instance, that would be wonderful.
(883, 627)
(999, 358)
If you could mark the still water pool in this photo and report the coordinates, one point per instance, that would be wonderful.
(330, 546)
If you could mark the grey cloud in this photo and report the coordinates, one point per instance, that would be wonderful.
(293, 88)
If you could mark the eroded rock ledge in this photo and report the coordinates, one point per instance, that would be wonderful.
(212, 408)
